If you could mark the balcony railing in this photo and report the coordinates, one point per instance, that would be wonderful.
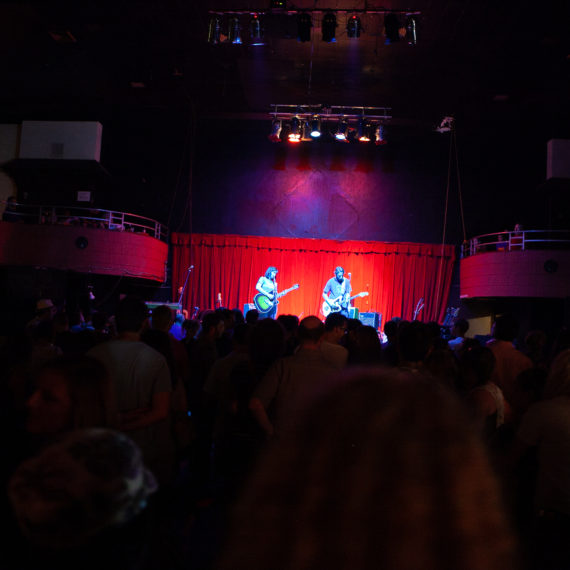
(517, 241)
(84, 217)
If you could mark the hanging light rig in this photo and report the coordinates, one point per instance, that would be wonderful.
(304, 123)
(397, 25)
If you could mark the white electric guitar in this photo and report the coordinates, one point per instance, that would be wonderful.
(334, 305)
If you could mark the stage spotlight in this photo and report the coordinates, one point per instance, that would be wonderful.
(380, 136)
(304, 25)
(306, 131)
(353, 27)
(411, 35)
(214, 27)
(365, 130)
(295, 132)
(275, 134)
(316, 127)
(328, 26)
(391, 28)
(342, 130)
(256, 31)
(234, 31)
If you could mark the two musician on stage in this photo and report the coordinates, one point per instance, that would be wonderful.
(336, 294)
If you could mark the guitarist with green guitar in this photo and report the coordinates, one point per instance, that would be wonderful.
(267, 297)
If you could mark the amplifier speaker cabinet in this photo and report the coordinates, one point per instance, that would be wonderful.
(353, 312)
(247, 307)
(371, 319)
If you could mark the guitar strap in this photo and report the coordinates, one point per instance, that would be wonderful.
(343, 292)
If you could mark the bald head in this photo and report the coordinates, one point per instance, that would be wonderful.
(311, 330)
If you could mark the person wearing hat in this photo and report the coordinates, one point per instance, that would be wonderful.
(45, 311)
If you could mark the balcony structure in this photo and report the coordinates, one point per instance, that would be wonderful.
(531, 263)
(83, 240)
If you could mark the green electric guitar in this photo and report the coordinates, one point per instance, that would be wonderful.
(264, 303)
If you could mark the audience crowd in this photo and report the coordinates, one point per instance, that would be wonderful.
(145, 441)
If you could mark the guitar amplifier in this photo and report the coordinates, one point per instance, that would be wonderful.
(353, 312)
(371, 319)
(247, 307)
(154, 304)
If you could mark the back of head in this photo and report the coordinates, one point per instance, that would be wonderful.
(210, 320)
(99, 320)
(391, 329)
(335, 320)
(290, 322)
(252, 316)
(364, 346)
(131, 314)
(267, 342)
(90, 390)
(311, 330)
(414, 341)
(506, 327)
(74, 490)
(191, 326)
(478, 362)
(558, 379)
(162, 318)
(461, 326)
(242, 333)
(384, 473)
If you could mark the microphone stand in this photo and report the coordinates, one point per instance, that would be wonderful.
(184, 287)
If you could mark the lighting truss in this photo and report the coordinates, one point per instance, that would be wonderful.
(343, 123)
(399, 24)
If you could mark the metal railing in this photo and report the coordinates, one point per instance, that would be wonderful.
(517, 241)
(84, 217)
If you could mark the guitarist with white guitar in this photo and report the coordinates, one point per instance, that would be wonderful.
(337, 293)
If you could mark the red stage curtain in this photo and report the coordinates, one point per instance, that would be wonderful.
(396, 275)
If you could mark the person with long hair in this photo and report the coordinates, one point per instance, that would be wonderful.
(267, 286)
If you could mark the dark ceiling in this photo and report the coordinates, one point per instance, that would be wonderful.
(483, 61)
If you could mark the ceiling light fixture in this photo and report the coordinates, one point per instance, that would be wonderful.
(214, 28)
(391, 29)
(342, 129)
(328, 26)
(295, 132)
(380, 136)
(411, 30)
(256, 30)
(353, 27)
(446, 125)
(276, 127)
(343, 123)
(316, 127)
(304, 25)
(234, 31)
(364, 130)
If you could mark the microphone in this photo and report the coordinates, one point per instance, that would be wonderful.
(190, 268)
